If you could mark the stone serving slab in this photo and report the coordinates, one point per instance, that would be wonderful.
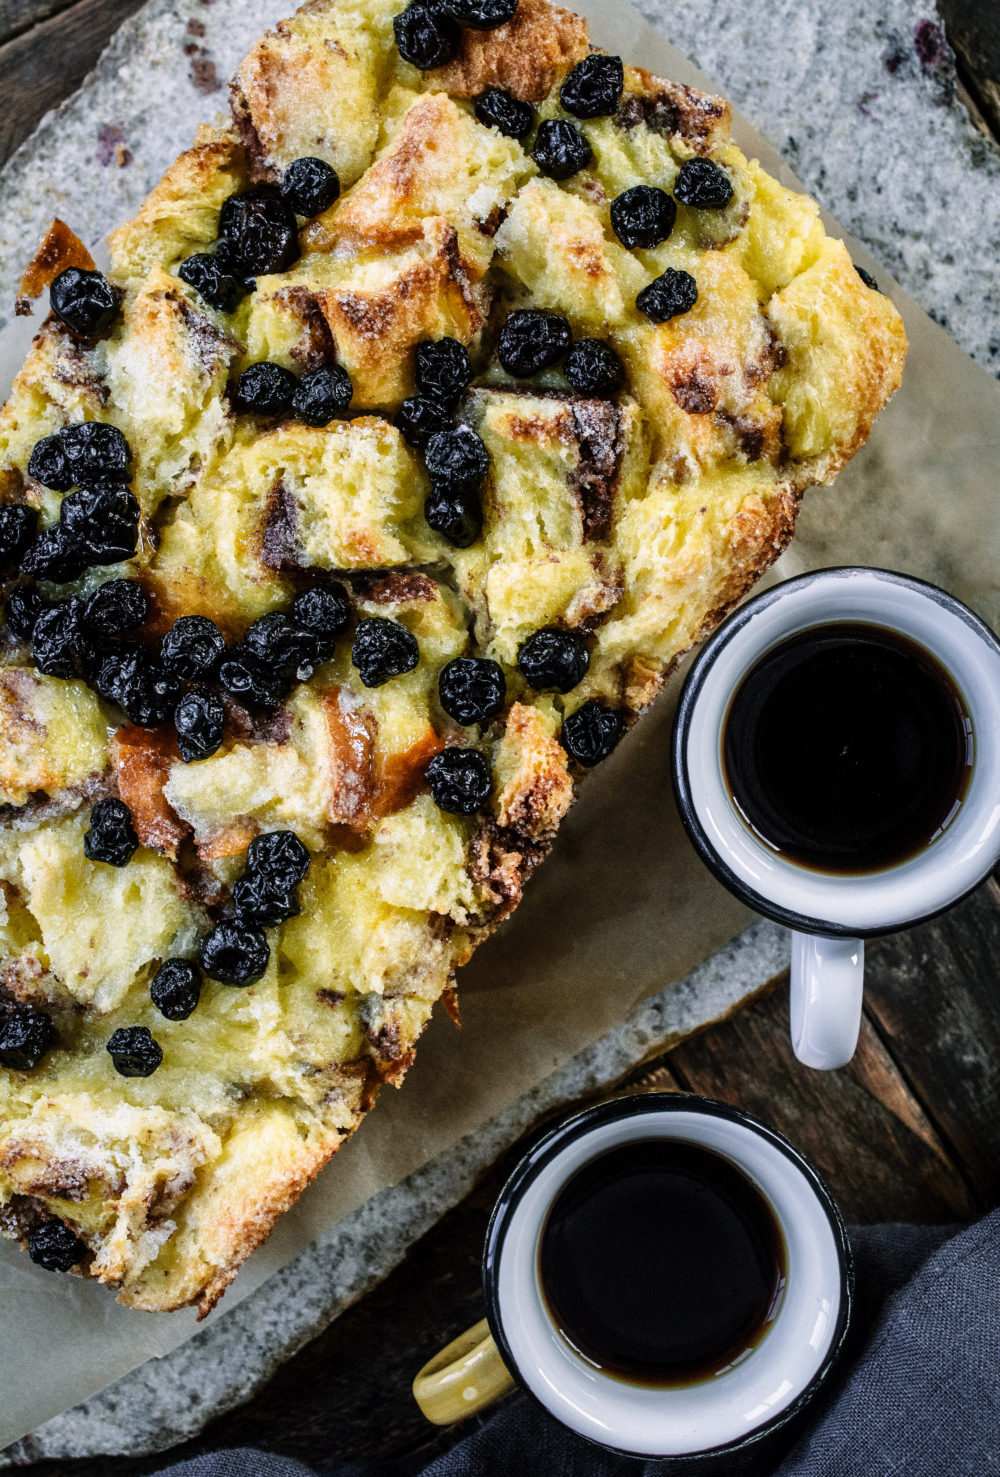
(860, 98)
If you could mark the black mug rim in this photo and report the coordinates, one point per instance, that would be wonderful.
(693, 683)
(637, 1105)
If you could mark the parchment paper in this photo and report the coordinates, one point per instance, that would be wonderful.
(623, 906)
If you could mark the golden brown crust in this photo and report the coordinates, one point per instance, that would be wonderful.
(58, 249)
(699, 118)
(526, 56)
(142, 758)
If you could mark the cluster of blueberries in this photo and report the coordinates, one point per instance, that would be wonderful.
(532, 339)
(427, 35)
(90, 636)
(258, 233)
(234, 952)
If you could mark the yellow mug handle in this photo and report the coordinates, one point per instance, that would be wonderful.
(467, 1375)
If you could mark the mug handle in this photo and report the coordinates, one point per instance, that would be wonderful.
(467, 1375)
(827, 979)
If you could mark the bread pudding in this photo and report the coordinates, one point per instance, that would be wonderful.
(428, 411)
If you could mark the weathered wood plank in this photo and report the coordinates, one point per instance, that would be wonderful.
(43, 65)
(18, 15)
(973, 28)
(935, 998)
(861, 1126)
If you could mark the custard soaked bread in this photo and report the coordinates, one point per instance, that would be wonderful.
(427, 413)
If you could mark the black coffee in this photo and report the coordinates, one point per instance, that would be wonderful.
(847, 748)
(661, 1263)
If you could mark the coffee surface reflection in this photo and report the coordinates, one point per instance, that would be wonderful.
(661, 1263)
(847, 748)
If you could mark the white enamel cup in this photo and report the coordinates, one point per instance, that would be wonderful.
(829, 914)
(752, 1397)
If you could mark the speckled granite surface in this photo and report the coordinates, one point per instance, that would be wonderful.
(860, 99)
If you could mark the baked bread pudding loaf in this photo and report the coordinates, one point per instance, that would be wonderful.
(428, 412)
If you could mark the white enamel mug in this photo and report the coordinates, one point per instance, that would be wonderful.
(754, 1395)
(831, 914)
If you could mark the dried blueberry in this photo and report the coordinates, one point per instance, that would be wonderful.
(702, 184)
(867, 278)
(118, 605)
(18, 526)
(249, 681)
(594, 87)
(152, 697)
(443, 369)
(49, 465)
(279, 856)
(110, 837)
(553, 660)
(54, 640)
(80, 453)
(277, 642)
(119, 671)
(146, 691)
(383, 649)
(472, 689)
(591, 733)
(496, 108)
(198, 719)
(103, 520)
(424, 36)
(55, 555)
(95, 450)
(24, 606)
(560, 149)
(531, 340)
(26, 1034)
(593, 368)
(134, 1051)
(85, 301)
(454, 514)
(212, 281)
(457, 458)
(481, 15)
(668, 295)
(193, 647)
(176, 988)
(258, 898)
(418, 419)
(322, 394)
(323, 614)
(310, 186)
(265, 389)
(259, 232)
(55, 1247)
(643, 216)
(235, 952)
(460, 780)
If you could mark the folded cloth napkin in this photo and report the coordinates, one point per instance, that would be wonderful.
(917, 1393)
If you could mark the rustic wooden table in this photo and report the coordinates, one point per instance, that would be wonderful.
(909, 1131)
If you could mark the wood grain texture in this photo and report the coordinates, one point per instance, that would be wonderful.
(45, 64)
(19, 15)
(937, 1005)
(973, 28)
